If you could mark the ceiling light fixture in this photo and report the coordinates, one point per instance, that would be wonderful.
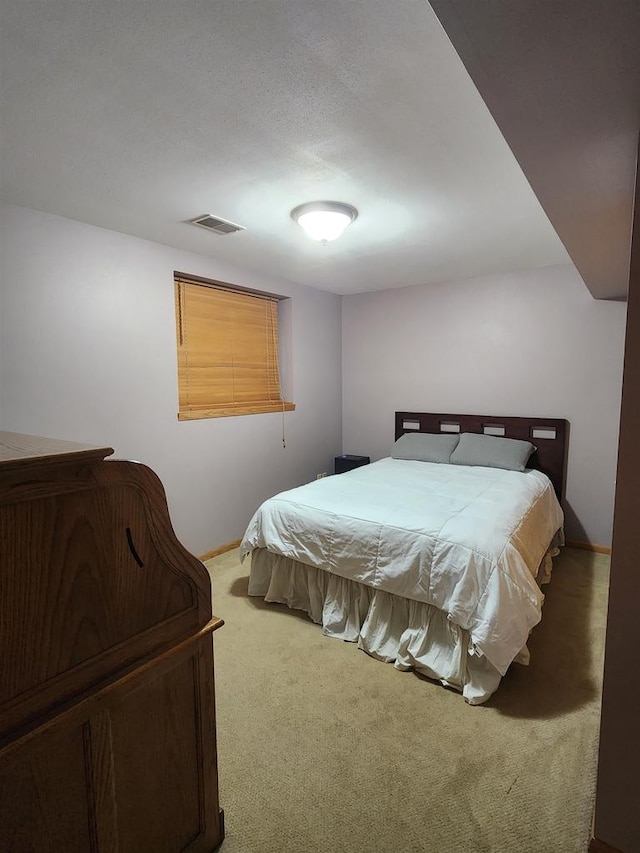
(324, 220)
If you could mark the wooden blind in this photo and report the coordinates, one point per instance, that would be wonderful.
(227, 352)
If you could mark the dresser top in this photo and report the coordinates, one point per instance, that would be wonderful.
(18, 450)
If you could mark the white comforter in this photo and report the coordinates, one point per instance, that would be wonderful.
(468, 540)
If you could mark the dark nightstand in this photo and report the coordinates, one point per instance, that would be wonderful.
(346, 462)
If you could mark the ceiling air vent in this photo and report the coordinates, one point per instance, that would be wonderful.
(217, 225)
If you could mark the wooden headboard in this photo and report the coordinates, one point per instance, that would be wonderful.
(550, 436)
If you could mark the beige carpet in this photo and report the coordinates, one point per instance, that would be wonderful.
(322, 748)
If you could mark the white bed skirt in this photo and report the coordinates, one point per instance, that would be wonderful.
(409, 634)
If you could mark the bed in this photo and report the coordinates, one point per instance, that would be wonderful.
(431, 559)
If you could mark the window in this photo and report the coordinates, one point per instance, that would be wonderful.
(227, 351)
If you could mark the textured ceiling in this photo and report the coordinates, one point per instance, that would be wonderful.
(138, 116)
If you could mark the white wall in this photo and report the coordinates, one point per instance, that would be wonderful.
(88, 353)
(532, 343)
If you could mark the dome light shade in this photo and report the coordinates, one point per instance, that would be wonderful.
(324, 220)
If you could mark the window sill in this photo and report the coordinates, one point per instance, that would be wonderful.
(235, 411)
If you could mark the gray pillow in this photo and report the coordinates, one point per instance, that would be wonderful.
(425, 446)
(492, 451)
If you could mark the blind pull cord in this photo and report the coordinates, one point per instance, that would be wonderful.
(284, 443)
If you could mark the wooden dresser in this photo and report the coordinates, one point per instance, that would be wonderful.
(107, 714)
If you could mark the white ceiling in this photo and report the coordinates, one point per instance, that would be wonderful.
(137, 116)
